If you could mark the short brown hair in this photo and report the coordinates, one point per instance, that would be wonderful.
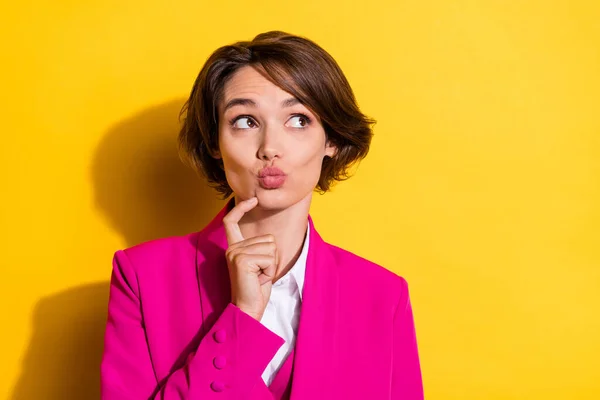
(298, 66)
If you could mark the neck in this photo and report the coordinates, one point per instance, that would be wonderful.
(288, 226)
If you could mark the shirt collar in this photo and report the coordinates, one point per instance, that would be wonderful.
(299, 269)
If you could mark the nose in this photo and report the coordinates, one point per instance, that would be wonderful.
(270, 144)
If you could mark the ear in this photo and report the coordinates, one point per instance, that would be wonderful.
(216, 154)
(330, 149)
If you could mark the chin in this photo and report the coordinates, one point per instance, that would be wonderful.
(274, 199)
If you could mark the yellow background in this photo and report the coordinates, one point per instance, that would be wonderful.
(482, 187)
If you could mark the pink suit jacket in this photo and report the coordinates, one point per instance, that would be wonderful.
(172, 332)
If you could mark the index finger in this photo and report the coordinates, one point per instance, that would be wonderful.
(232, 229)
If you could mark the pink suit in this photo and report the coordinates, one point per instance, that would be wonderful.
(172, 332)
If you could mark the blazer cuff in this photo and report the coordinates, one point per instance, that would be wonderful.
(239, 348)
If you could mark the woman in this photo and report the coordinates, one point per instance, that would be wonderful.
(256, 305)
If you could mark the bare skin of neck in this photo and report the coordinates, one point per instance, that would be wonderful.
(287, 225)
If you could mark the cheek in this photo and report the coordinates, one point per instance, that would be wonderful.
(235, 155)
(309, 165)
(231, 159)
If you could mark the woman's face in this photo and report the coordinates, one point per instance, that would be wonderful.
(271, 145)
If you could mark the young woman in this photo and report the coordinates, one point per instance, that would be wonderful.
(256, 305)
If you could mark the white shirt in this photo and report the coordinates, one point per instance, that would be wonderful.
(283, 311)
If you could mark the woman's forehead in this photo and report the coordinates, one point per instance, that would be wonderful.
(248, 87)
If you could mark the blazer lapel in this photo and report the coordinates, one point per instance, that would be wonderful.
(315, 344)
(213, 277)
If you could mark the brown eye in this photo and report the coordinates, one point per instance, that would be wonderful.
(299, 121)
(244, 123)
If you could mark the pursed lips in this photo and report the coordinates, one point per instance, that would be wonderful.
(270, 171)
(271, 178)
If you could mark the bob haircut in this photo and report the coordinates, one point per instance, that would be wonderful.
(298, 66)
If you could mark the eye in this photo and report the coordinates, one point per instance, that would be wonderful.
(243, 122)
(299, 121)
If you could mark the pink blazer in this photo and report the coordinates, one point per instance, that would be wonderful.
(172, 332)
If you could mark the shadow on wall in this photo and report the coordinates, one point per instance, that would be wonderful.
(141, 185)
(65, 350)
(145, 192)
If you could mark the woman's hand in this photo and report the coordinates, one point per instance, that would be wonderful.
(252, 263)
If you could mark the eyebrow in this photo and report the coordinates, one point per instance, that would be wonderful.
(292, 101)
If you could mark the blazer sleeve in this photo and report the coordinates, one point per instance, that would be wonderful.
(226, 364)
(406, 370)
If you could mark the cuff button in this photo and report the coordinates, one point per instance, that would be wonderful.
(220, 362)
(217, 386)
